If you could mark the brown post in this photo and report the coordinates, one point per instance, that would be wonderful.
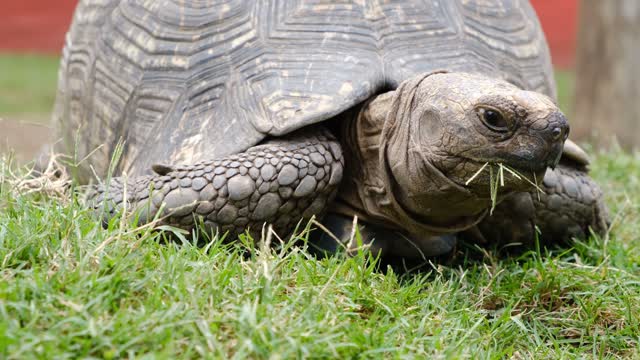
(607, 99)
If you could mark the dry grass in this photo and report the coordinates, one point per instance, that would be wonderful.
(53, 181)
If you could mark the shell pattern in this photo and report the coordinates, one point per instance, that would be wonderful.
(194, 80)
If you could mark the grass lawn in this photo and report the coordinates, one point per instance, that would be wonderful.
(27, 85)
(565, 82)
(70, 289)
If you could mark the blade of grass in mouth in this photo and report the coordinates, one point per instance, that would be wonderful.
(496, 180)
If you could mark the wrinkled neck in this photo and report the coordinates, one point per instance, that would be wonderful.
(380, 182)
(360, 136)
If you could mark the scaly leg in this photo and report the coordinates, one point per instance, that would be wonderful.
(279, 182)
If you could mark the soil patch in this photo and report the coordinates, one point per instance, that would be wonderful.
(23, 137)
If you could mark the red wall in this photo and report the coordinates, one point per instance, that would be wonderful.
(559, 20)
(34, 25)
(40, 25)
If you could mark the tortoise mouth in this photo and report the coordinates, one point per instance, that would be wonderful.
(531, 163)
(516, 174)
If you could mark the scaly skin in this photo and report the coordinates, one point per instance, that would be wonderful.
(279, 182)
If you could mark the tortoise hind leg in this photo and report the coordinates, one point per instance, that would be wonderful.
(570, 206)
(278, 182)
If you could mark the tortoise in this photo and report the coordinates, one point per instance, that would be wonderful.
(237, 114)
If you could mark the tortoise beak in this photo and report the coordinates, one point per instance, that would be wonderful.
(555, 159)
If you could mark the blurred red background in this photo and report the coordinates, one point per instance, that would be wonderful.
(40, 25)
(34, 25)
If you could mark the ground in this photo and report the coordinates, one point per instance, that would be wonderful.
(71, 289)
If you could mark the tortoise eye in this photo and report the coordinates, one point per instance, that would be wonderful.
(493, 119)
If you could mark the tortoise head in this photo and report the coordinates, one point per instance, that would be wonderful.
(449, 126)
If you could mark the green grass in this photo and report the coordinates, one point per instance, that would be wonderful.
(70, 289)
(565, 85)
(27, 85)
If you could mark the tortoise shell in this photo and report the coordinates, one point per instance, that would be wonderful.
(183, 81)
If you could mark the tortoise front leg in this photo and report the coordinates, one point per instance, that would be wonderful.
(569, 205)
(279, 182)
